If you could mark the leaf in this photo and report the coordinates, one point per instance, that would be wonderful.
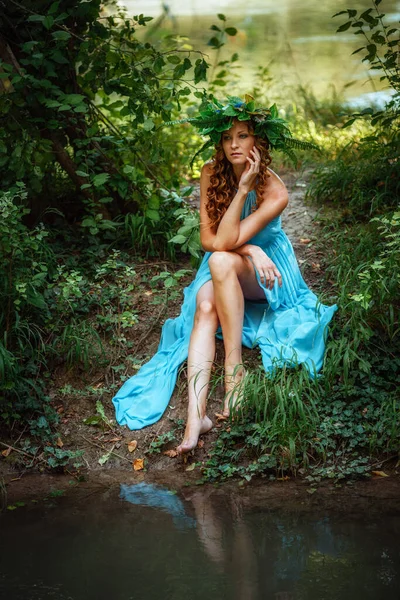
(61, 35)
(231, 30)
(82, 108)
(348, 123)
(103, 459)
(221, 17)
(153, 214)
(6, 452)
(305, 240)
(36, 18)
(100, 179)
(138, 464)
(380, 473)
(344, 27)
(191, 467)
(132, 445)
(95, 420)
(171, 453)
(48, 22)
(221, 417)
(178, 239)
(174, 59)
(148, 125)
(59, 442)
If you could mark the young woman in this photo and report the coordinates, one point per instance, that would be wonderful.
(248, 283)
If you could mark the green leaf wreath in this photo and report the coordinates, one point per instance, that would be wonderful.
(215, 117)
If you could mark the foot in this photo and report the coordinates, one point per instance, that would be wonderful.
(194, 428)
(234, 384)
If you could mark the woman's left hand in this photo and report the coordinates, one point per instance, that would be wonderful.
(249, 175)
(264, 266)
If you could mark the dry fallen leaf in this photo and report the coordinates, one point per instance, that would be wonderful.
(191, 467)
(113, 439)
(380, 473)
(305, 240)
(284, 478)
(60, 443)
(171, 453)
(138, 464)
(132, 445)
(6, 452)
(221, 417)
(200, 443)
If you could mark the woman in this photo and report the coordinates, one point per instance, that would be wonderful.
(249, 282)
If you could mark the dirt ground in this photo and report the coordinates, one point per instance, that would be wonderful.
(127, 449)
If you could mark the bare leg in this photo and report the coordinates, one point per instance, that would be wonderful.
(200, 359)
(233, 279)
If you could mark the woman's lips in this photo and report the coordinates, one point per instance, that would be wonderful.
(236, 154)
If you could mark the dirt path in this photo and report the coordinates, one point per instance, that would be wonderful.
(109, 449)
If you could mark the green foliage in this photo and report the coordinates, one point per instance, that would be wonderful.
(289, 424)
(160, 441)
(82, 86)
(381, 47)
(363, 179)
(100, 418)
(25, 265)
(367, 173)
(214, 117)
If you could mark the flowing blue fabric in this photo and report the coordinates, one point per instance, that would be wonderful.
(290, 328)
(157, 496)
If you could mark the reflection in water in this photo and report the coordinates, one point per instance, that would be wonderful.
(157, 496)
(144, 542)
(296, 39)
(287, 555)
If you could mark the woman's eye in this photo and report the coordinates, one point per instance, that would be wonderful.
(243, 135)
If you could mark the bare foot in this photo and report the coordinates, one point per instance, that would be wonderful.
(234, 384)
(194, 428)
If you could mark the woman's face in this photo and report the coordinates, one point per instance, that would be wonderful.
(237, 143)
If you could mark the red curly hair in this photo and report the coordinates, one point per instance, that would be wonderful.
(223, 184)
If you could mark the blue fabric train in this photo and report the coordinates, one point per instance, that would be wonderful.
(290, 328)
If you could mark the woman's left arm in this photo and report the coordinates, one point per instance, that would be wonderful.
(275, 200)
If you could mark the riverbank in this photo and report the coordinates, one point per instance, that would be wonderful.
(87, 428)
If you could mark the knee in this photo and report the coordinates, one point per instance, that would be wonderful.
(206, 313)
(222, 263)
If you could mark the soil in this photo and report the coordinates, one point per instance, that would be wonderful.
(302, 228)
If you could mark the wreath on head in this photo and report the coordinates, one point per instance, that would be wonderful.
(215, 117)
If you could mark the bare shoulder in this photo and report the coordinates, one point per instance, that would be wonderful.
(274, 178)
(275, 191)
(207, 170)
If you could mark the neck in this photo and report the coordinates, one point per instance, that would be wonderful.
(238, 170)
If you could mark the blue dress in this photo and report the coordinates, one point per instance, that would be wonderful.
(290, 327)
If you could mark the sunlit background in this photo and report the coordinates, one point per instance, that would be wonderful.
(296, 39)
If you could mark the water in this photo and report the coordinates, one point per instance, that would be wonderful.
(296, 39)
(143, 542)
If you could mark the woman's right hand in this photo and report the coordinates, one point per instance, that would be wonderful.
(265, 267)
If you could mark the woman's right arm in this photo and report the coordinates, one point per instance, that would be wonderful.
(264, 265)
(207, 231)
